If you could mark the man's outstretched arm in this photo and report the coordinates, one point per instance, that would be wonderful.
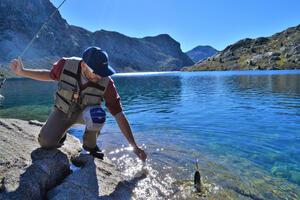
(126, 130)
(113, 103)
(37, 74)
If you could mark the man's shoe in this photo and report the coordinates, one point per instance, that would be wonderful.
(95, 152)
(61, 141)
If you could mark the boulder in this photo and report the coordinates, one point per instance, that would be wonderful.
(276, 54)
(296, 50)
(30, 172)
(274, 58)
(261, 40)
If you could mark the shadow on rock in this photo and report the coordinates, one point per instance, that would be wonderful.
(94, 180)
(48, 169)
(124, 189)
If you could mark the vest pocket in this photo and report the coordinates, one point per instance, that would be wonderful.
(91, 99)
(62, 103)
(67, 94)
(66, 85)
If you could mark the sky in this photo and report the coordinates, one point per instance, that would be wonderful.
(218, 23)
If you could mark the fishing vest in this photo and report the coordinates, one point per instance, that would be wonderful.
(70, 83)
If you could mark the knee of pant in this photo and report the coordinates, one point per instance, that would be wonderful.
(45, 141)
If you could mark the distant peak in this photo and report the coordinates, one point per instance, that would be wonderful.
(201, 52)
(204, 47)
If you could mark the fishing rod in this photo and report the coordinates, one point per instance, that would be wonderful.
(40, 30)
(2, 76)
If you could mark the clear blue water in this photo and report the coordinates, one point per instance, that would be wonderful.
(243, 127)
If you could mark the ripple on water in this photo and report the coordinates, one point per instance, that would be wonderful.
(243, 127)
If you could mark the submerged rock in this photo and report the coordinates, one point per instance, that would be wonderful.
(29, 172)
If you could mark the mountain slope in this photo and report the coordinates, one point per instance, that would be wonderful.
(279, 51)
(20, 20)
(201, 52)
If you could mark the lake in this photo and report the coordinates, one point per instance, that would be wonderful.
(243, 128)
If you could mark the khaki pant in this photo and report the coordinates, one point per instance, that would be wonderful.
(58, 123)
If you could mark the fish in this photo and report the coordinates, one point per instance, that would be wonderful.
(197, 179)
(2, 185)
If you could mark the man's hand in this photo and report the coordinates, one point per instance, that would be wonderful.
(16, 66)
(140, 153)
(126, 130)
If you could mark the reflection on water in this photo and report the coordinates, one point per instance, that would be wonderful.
(243, 127)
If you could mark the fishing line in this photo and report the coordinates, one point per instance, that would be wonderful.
(40, 30)
(2, 76)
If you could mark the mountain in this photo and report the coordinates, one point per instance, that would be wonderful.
(279, 51)
(201, 52)
(20, 20)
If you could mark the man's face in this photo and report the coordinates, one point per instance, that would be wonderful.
(88, 72)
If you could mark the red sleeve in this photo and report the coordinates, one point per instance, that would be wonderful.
(56, 69)
(112, 99)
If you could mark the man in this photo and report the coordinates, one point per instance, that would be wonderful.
(82, 85)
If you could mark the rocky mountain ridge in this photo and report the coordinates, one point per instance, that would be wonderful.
(20, 20)
(279, 51)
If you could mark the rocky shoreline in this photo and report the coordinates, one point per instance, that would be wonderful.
(29, 172)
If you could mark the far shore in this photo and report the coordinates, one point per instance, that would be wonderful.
(150, 73)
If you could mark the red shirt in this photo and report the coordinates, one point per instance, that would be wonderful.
(111, 96)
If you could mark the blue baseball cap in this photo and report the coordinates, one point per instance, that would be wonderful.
(97, 60)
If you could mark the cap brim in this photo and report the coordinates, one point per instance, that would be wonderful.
(106, 72)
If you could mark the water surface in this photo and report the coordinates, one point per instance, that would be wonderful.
(243, 127)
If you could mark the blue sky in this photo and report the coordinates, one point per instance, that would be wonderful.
(191, 22)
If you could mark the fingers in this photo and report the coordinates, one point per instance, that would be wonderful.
(141, 154)
(20, 61)
(16, 66)
(143, 157)
(14, 63)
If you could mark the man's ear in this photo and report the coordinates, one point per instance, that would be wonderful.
(83, 66)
